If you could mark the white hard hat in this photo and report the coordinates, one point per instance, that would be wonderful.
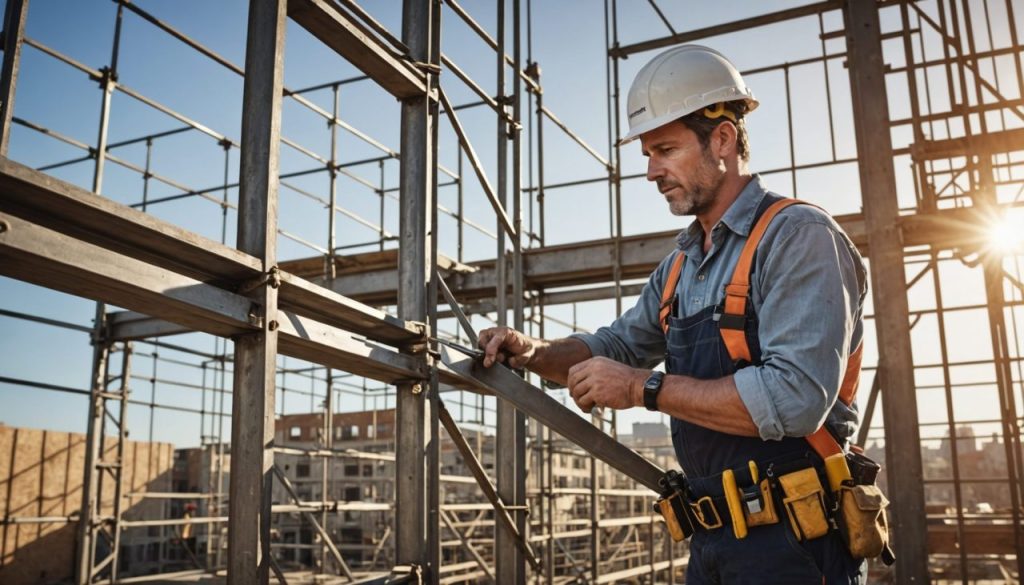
(678, 82)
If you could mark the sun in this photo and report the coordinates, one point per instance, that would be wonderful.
(1007, 234)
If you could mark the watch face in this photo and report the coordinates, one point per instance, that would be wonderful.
(654, 381)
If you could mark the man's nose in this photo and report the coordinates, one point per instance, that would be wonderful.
(654, 170)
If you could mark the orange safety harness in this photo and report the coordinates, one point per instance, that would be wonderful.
(737, 293)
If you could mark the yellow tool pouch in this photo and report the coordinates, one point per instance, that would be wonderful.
(862, 515)
(804, 500)
(767, 514)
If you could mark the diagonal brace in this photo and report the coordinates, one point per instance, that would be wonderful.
(478, 167)
(500, 512)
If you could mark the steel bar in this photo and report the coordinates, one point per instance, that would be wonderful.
(572, 135)
(487, 38)
(456, 309)
(15, 14)
(474, 161)
(464, 372)
(89, 511)
(252, 405)
(896, 363)
(721, 29)
(45, 321)
(360, 46)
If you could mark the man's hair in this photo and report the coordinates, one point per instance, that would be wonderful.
(703, 126)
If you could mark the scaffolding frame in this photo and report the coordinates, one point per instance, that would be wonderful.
(274, 310)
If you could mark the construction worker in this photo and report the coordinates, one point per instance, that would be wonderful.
(758, 319)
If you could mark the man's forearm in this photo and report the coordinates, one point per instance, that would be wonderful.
(715, 404)
(553, 359)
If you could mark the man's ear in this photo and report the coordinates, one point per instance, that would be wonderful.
(724, 139)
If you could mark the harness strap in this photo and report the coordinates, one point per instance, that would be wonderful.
(668, 293)
(822, 441)
(736, 292)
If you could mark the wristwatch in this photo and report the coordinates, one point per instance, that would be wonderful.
(652, 386)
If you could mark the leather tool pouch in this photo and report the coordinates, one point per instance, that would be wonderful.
(862, 518)
(673, 509)
(804, 499)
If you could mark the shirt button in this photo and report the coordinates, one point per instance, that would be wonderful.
(700, 276)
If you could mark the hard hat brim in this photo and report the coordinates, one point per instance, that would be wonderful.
(655, 123)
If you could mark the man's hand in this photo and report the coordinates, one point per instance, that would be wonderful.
(504, 343)
(603, 382)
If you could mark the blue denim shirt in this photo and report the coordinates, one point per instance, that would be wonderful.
(808, 287)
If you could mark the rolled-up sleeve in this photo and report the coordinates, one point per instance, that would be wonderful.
(810, 284)
(635, 338)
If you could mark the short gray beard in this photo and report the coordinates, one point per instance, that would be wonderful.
(699, 195)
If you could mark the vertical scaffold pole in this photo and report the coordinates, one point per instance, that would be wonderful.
(252, 409)
(14, 33)
(896, 364)
(414, 532)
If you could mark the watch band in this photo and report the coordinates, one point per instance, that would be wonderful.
(652, 386)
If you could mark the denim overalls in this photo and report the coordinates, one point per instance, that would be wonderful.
(769, 554)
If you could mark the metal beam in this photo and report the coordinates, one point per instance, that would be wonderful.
(358, 45)
(52, 203)
(47, 258)
(590, 262)
(896, 363)
(252, 404)
(466, 373)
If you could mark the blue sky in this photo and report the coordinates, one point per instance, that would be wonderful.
(568, 42)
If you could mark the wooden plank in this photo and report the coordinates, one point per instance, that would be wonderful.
(349, 38)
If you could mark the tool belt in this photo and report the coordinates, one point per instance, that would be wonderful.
(796, 492)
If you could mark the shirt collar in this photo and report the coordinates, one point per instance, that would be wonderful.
(739, 217)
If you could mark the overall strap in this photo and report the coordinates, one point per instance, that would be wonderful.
(733, 320)
(668, 293)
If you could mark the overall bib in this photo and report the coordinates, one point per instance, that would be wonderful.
(771, 553)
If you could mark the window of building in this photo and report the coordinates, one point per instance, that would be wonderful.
(369, 431)
(368, 470)
(302, 470)
(351, 470)
(337, 432)
(295, 433)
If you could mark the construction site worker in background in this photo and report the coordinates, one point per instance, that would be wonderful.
(756, 345)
